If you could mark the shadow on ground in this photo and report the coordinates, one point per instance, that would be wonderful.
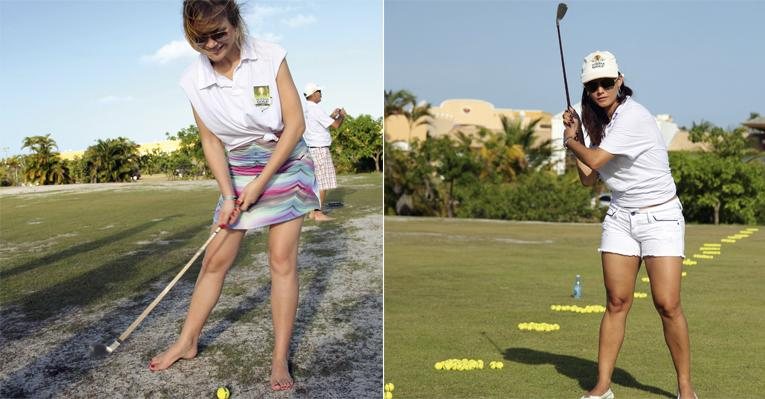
(583, 370)
(85, 289)
(78, 250)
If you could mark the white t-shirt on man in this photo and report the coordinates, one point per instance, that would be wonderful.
(639, 174)
(246, 108)
(317, 123)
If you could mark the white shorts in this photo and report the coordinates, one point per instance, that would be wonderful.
(654, 231)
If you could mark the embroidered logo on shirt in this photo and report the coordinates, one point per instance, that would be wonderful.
(262, 96)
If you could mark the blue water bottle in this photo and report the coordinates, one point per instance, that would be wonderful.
(577, 287)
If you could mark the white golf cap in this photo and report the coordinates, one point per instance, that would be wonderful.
(311, 88)
(599, 64)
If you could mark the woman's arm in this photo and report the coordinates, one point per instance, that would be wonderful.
(593, 158)
(215, 155)
(587, 176)
(294, 126)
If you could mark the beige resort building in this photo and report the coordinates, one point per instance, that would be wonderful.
(469, 115)
(166, 146)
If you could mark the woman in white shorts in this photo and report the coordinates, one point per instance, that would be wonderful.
(624, 148)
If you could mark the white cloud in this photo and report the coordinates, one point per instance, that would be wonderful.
(269, 36)
(115, 99)
(260, 14)
(177, 49)
(299, 20)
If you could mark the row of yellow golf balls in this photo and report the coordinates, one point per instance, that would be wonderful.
(465, 365)
(578, 309)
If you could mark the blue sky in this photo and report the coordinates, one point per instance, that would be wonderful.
(88, 70)
(693, 60)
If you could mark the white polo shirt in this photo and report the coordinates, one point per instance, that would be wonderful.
(317, 124)
(639, 174)
(246, 108)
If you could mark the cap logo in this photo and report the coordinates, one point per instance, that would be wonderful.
(597, 62)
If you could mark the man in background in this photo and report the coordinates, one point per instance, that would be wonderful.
(318, 139)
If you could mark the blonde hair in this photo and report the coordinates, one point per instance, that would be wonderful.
(202, 16)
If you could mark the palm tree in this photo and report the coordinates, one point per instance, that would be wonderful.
(525, 136)
(403, 102)
(44, 165)
(111, 160)
(396, 102)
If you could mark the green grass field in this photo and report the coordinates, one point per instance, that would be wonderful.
(88, 247)
(459, 288)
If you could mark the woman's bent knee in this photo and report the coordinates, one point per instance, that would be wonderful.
(669, 310)
(282, 264)
(618, 304)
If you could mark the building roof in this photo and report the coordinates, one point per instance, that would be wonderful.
(756, 123)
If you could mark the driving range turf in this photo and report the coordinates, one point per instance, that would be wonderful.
(457, 289)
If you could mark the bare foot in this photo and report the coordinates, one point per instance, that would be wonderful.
(321, 217)
(280, 376)
(175, 352)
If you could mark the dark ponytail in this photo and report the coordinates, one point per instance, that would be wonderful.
(595, 118)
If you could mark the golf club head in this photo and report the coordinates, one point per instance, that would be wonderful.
(562, 8)
(100, 350)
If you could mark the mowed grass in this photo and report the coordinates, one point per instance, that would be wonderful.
(87, 248)
(459, 288)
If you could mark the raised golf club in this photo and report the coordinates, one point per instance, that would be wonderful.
(101, 350)
(562, 8)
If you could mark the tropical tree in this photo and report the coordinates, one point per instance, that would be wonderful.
(111, 160)
(44, 165)
(11, 170)
(512, 150)
(155, 162)
(410, 181)
(357, 142)
(455, 164)
(723, 142)
(189, 159)
(403, 102)
(719, 189)
(720, 185)
(396, 102)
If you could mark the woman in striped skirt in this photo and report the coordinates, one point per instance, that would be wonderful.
(251, 124)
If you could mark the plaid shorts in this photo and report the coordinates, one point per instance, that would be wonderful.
(325, 169)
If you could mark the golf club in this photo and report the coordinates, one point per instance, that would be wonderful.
(562, 8)
(101, 350)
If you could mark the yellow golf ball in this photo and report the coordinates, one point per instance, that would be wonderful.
(222, 393)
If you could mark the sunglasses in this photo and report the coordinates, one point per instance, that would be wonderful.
(217, 36)
(605, 83)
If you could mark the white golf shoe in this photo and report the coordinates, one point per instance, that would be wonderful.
(607, 395)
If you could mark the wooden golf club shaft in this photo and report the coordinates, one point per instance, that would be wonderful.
(167, 289)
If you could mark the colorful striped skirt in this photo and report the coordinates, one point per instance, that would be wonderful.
(291, 193)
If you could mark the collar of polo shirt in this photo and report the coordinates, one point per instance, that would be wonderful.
(208, 77)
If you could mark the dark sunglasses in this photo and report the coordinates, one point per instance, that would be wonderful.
(217, 36)
(606, 83)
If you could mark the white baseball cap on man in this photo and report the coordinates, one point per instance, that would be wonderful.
(311, 88)
(599, 64)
